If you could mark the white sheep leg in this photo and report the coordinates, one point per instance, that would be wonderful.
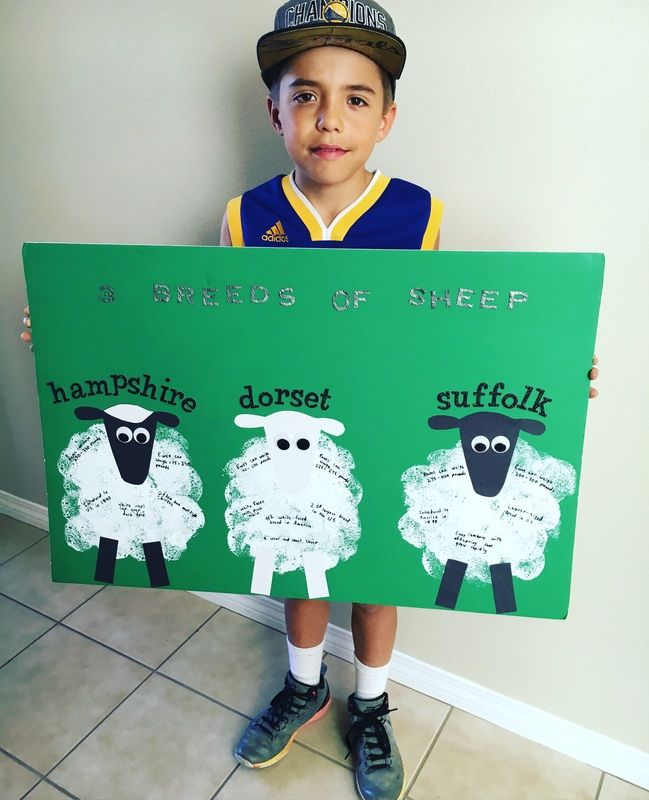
(316, 574)
(262, 572)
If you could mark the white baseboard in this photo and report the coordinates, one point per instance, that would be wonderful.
(24, 510)
(573, 740)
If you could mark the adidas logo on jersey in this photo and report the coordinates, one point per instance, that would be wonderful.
(275, 234)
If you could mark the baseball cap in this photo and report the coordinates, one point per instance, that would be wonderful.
(360, 25)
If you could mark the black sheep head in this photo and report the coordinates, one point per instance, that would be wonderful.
(488, 441)
(131, 433)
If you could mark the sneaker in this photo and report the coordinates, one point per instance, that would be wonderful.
(378, 764)
(268, 737)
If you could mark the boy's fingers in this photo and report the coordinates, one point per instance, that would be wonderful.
(592, 392)
(595, 360)
(27, 322)
(26, 310)
(26, 337)
(593, 373)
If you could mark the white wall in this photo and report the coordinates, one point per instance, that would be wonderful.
(135, 121)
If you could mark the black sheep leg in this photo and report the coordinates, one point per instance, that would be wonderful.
(503, 588)
(155, 564)
(449, 588)
(106, 557)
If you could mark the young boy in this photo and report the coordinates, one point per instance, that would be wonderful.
(331, 69)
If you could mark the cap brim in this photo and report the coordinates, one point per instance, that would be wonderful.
(384, 48)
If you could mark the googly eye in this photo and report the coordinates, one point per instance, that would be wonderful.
(124, 434)
(500, 444)
(141, 435)
(303, 444)
(479, 444)
(282, 443)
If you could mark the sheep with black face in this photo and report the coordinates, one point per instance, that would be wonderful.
(130, 489)
(484, 509)
(131, 433)
(488, 442)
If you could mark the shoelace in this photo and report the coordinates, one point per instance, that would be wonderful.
(371, 725)
(287, 702)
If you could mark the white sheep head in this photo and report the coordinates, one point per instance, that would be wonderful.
(293, 443)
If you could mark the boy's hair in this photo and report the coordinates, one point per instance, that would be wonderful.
(275, 76)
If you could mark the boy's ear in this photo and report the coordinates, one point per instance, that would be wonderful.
(273, 114)
(387, 121)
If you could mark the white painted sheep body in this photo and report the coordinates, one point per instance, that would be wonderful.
(447, 519)
(99, 503)
(292, 500)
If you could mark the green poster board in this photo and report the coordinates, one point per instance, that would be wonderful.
(393, 427)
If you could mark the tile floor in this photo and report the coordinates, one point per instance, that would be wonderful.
(131, 694)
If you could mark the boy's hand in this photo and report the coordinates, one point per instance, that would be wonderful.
(592, 375)
(26, 335)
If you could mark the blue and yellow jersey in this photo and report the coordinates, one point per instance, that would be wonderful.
(391, 214)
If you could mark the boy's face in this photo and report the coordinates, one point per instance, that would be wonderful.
(331, 112)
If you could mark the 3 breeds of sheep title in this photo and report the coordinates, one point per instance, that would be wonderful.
(393, 427)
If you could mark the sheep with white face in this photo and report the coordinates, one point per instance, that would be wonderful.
(293, 443)
(292, 499)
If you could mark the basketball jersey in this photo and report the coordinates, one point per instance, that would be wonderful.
(391, 214)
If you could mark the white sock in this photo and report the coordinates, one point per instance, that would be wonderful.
(370, 681)
(305, 662)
